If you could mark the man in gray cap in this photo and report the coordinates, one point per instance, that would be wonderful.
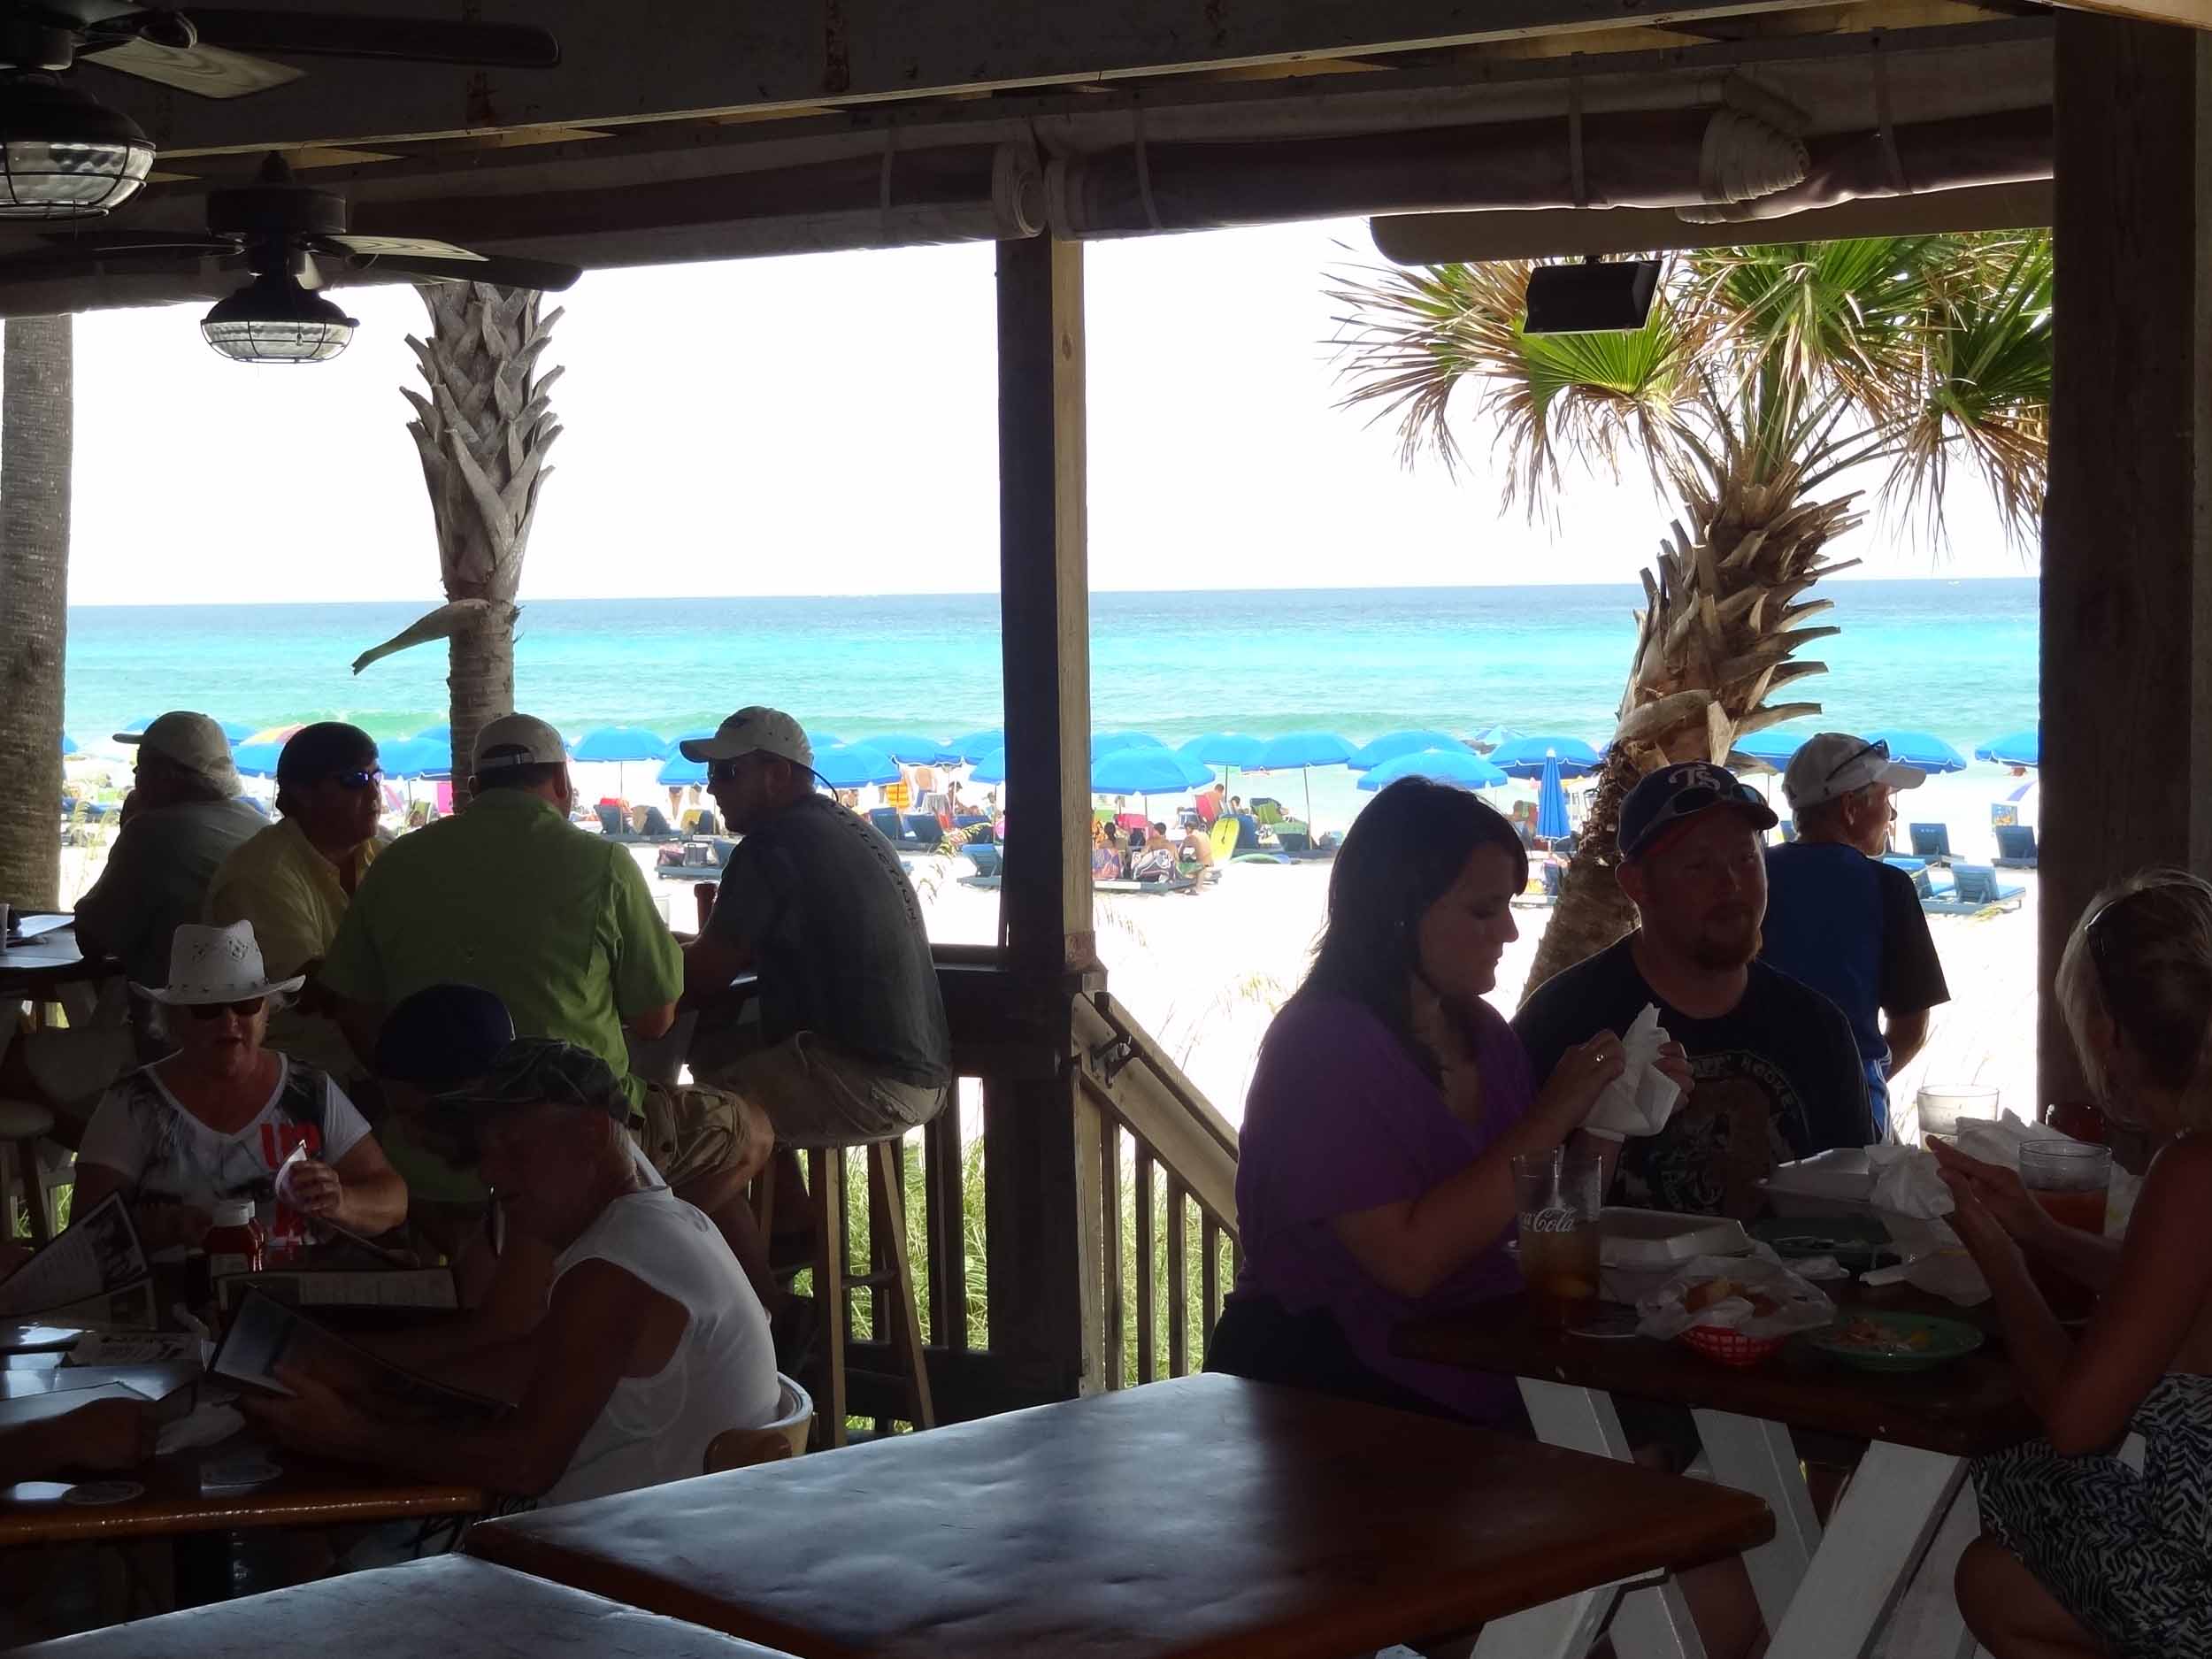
(183, 819)
(1842, 920)
(850, 1043)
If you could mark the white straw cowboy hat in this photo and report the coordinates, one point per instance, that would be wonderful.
(217, 965)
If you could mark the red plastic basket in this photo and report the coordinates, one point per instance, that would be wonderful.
(1730, 1348)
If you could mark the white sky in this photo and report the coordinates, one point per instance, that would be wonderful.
(826, 425)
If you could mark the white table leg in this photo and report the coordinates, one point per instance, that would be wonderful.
(1564, 1629)
(1928, 1625)
(1878, 1535)
(1754, 1455)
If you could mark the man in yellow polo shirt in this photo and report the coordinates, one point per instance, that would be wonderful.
(295, 879)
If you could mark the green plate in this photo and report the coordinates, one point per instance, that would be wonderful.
(1914, 1341)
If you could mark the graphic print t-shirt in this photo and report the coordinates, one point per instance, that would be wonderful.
(165, 1153)
(1777, 1076)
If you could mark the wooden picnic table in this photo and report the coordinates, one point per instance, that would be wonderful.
(1206, 1515)
(30, 971)
(1907, 1513)
(449, 1608)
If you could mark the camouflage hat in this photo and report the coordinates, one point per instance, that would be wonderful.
(541, 1071)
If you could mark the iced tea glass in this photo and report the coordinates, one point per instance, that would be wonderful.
(1557, 1199)
(2070, 1179)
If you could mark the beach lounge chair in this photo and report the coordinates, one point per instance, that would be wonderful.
(925, 832)
(612, 824)
(887, 820)
(1910, 867)
(2015, 847)
(986, 858)
(1978, 884)
(1932, 842)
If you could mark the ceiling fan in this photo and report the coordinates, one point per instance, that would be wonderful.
(293, 238)
(65, 155)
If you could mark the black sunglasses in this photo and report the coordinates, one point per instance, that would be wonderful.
(365, 779)
(1880, 746)
(245, 1009)
(723, 771)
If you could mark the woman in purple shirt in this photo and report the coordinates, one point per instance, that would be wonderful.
(1375, 1177)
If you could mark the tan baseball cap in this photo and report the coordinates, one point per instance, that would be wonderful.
(518, 740)
(191, 740)
(755, 730)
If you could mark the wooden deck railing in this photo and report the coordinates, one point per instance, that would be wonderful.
(1070, 1124)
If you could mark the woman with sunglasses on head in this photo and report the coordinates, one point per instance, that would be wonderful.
(214, 1123)
(2098, 1537)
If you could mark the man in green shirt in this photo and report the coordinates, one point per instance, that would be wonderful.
(560, 925)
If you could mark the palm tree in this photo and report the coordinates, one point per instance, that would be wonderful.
(1764, 374)
(482, 432)
(37, 387)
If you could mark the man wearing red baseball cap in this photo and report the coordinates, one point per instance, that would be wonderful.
(1778, 1075)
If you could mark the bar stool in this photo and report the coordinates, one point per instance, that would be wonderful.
(22, 1127)
(890, 1274)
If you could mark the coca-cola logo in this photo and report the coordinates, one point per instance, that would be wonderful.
(1552, 1221)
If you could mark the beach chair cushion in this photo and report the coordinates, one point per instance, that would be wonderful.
(1931, 841)
(1978, 884)
(886, 819)
(923, 830)
(2015, 846)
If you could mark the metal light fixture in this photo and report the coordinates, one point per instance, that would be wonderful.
(274, 319)
(64, 155)
(1597, 296)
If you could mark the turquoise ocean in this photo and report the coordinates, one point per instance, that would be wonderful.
(1958, 658)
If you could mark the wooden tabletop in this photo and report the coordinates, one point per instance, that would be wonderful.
(449, 1608)
(1209, 1515)
(38, 963)
(1968, 1408)
(306, 1494)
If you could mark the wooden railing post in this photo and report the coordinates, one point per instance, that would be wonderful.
(1042, 1208)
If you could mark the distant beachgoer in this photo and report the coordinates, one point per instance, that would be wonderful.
(1198, 848)
(1152, 856)
(295, 879)
(1388, 1101)
(1845, 923)
(1105, 853)
(846, 1040)
(1777, 1076)
(1248, 826)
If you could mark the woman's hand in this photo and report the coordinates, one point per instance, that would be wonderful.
(1998, 1192)
(1577, 1080)
(313, 1188)
(1986, 1237)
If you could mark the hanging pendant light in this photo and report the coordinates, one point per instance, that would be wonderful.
(64, 155)
(274, 319)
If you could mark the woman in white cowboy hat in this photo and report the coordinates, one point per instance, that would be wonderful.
(214, 1122)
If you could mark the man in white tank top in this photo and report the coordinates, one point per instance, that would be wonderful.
(652, 1342)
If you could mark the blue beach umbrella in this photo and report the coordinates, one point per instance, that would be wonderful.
(68, 745)
(817, 740)
(1524, 757)
(973, 746)
(1923, 751)
(410, 757)
(2016, 748)
(1455, 766)
(1105, 743)
(1491, 737)
(991, 768)
(257, 760)
(1301, 750)
(620, 742)
(1148, 772)
(1222, 748)
(1770, 749)
(1412, 740)
(855, 766)
(1551, 803)
(910, 749)
(676, 772)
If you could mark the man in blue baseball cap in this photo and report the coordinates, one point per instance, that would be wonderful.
(1777, 1074)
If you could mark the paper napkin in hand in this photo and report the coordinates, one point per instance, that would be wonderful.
(1642, 1098)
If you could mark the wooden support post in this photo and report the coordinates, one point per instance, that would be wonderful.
(2127, 548)
(1041, 1183)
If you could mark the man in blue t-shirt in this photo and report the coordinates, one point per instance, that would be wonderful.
(1842, 920)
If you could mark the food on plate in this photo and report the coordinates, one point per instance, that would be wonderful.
(1871, 1336)
(1698, 1298)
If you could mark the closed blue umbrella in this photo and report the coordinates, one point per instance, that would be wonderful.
(1551, 803)
(910, 749)
(1146, 772)
(973, 746)
(1455, 766)
(855, 766)
(1390, 745)
(1105, 743)
(620, 742)
(991, 768)
(2016, 748)
(1524, 757)
(1922, 751)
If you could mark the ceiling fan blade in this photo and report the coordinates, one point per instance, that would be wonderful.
(105, 242)
(406, 247)
(208, 72)
(414, 40)
(496, 270)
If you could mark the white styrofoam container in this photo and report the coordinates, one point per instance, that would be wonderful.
(1659, 1238)
(1838, 1182)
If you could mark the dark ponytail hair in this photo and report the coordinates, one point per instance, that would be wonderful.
(1402, 853)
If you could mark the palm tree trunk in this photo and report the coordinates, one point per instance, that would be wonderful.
(1723, 623)
(36, 390)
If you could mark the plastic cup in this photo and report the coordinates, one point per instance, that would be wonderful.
(2070, 1179)
(1941, 1108)
(1557, 1199)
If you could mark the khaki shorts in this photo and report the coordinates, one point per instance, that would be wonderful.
(817, 1095)
(693, 1131)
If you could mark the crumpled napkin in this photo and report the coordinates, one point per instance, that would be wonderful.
(1908, 1181)
(1642, 1098)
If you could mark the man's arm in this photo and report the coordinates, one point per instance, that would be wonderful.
(112, 912)
(649, 965)
(1907, 1036)
(1912, 972)
(711, 962)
